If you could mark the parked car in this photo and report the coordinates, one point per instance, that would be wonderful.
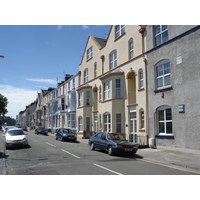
(41, 130)
(24, 128)
(15, 137)
(6, 128)
(112, 143)
(66, 134)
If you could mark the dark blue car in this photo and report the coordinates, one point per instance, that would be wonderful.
(66, 134)
(112, 143)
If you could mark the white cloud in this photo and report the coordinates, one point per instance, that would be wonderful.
(48, 81)
(59, 27)
(85, 27)
(18, 98)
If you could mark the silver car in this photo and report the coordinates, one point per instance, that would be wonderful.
(15, 137)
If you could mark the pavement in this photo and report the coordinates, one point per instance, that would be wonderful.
(182, 159)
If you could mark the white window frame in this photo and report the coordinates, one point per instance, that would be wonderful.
(142, 119)
(107, 90)
(71, 120)
(131, 48)
(80, 98)
(141, 78)
(119, 30)
(80, 123)
(113, 59)
(161, 31)
(164, 121)
(107, 122)
(163, 71)
(89, 53)
(86, 75)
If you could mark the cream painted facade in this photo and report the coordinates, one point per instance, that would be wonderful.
(112, 93)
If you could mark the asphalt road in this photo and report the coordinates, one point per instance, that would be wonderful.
(47, 156)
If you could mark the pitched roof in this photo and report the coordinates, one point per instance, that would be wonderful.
(101, 41)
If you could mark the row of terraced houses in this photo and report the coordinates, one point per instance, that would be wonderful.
(141, 80)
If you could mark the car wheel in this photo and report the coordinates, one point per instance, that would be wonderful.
(110, 150)
(56, 138)
(92, 147)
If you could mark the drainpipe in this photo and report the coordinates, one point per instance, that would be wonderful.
(142, 31)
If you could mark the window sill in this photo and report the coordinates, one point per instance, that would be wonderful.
(141, 89)
(170, 136)
(163, 89)
(89, 59)
(120, 36)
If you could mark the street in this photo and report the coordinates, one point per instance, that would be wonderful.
(47, 156)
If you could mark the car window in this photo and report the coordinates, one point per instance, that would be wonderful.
(103, 135)
(116, 136)
(98, 135)
(16, 132)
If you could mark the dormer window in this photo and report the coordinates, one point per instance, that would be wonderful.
(89, 53)
(119, 30)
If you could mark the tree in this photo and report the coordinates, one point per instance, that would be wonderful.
(3, 105)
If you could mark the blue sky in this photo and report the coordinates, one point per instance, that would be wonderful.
(36, 56)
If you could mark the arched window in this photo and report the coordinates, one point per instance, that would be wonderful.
(113, 59)
(95, 69)
(131, 48)
(163, 75)
(86, 75)
(141, 78)
(141, 118)
(80, 123)
(107, 122)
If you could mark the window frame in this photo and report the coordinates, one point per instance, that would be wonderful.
(107, 90)
(80, 98)
(107, 122)
(160, 34)
(88, 98)
(119, 30)
(118, 122)
(162, 77)
(80, 123)
(113, 59)
(89, 53)
(131, 48)
(86, 75)
(118, 88)
(164, 120)
(141, 78)
(142, 119)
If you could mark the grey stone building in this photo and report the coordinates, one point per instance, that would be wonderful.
(173, 74)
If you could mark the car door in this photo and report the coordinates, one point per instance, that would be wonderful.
(97, 140)
(103, 141)
(58, 133)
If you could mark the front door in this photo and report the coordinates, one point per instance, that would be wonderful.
(133, 126)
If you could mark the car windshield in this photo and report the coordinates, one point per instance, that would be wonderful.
(112, 136)
(41, 128)
(15, 132)
(67, 131)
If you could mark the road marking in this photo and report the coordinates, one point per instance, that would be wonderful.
(50, 144)
(108, 169)
(168, 166)
(70, 153)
